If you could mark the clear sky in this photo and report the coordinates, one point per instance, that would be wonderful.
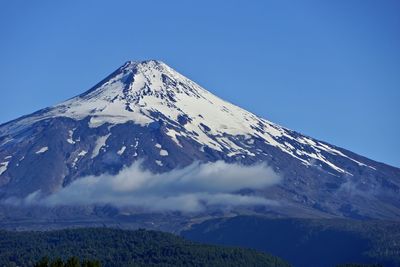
(328, 69)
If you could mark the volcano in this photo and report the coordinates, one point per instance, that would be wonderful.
(148, 112)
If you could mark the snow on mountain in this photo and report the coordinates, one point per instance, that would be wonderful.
(147, 111)
(138, 91)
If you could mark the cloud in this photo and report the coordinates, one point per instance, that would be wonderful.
(190, 189)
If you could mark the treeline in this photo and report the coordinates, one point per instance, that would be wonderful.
(71, 262)
(114, 247)
(359, 265)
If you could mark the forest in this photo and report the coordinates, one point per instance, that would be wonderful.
(91, 247)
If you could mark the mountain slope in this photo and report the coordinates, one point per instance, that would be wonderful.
(148, 111)
(307, 242)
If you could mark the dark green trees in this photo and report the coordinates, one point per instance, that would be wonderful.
(116, 248)
(71, 262)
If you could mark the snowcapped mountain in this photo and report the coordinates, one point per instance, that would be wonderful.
(148, 111)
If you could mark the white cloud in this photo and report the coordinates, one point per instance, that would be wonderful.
(189, 189)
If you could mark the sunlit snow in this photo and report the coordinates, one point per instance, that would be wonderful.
(42, 150)
(141, 91)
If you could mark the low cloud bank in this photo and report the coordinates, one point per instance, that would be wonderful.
(190, 189)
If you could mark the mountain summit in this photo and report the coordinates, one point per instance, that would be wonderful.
(148, 111)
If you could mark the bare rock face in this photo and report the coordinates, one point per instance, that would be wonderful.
(147, 111)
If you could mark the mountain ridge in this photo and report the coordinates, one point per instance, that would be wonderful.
(134, 68)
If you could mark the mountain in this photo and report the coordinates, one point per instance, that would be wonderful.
(148, 112)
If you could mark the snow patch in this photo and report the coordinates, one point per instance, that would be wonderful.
(75, 161)
(100, 142)
(7, 140)
(42, 150)
(173, 134)
(3, 167)
(70, 140)
(82, 153)
(163, 152)
(121, 151)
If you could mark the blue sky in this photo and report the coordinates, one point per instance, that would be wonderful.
(328, 69)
